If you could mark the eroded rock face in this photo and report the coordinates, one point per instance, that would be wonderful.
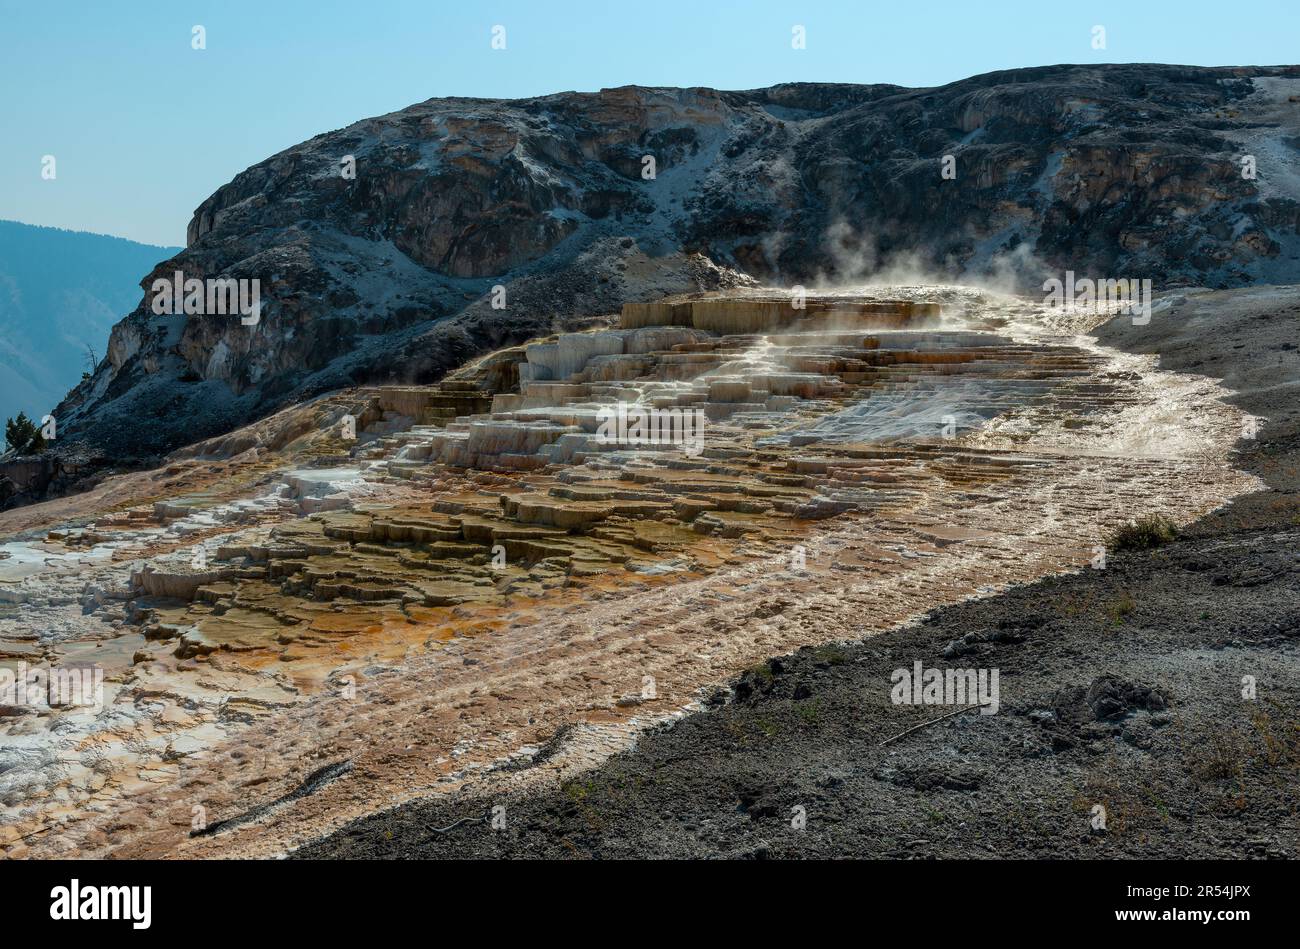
(1117, 171)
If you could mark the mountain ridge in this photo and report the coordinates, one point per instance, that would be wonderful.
(1129, 170)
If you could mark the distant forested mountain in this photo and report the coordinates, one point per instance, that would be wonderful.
(60, 293)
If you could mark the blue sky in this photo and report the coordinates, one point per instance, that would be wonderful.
(143, 127)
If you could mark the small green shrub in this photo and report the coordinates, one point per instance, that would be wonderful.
(1144, 533)
(1121, 608)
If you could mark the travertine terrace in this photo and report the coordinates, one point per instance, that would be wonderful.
(483, 587)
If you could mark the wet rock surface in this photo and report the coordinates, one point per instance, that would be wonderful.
(1126, 728)
(474, 587)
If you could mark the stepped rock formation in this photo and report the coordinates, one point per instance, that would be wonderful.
(388, 276)
(395, 591)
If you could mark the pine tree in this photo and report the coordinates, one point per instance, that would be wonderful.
(23, 436)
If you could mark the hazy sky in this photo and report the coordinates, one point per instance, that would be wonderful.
(143, 127)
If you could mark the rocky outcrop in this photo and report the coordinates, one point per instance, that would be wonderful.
(33, 478)
(401, 246)
(25, 479)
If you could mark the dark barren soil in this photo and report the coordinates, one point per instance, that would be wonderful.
(1120, 687)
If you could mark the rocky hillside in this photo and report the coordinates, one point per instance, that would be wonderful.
(388, 275)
